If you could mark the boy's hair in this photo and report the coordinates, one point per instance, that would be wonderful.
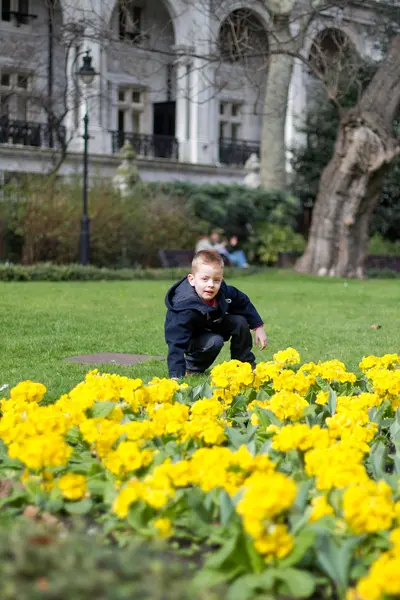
(207, 257)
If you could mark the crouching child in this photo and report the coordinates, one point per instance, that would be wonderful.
(203, 312)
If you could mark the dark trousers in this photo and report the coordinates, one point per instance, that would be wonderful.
(204, 349)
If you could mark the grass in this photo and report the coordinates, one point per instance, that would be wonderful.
(44, 322)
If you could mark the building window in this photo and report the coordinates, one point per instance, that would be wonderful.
(14, 95)
(130, 110)
(15, 10)
(230, 120)
(242, 36)
(130, 20)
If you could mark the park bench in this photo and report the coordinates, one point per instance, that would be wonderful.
(175, 257)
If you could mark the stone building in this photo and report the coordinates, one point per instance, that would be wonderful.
(176, 78)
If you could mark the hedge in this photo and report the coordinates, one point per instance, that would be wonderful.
(52, 272)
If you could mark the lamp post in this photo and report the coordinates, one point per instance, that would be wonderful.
(87, 75)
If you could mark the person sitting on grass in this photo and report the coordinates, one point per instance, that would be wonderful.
(203, 312)
(236, 256)
(220, 246)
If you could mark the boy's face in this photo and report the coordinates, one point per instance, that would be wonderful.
(206, 280)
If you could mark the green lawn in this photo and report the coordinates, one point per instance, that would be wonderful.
(41, 323)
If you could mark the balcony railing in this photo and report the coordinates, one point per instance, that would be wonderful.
(235, 152)
(148, 146)
(28, 133)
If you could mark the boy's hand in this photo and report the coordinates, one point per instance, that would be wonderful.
(260, 338)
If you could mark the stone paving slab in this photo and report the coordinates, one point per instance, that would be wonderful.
(112, 358)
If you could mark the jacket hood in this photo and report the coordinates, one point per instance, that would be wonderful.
(183, 296)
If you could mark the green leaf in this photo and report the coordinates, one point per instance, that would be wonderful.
(310, 410)
(304, 541)
(332, 401)
(198, 502)
(256, 561)
(262, 395)
(296, 583)
(208, 578)
(335, 559)
(226, 507)
(82, 507)
(203, 390)
(236, 438)
(377, 458)
(269, 417)
(97, 486)
(245, 587)
(100, 410)
(239, 403)
(225, 553)
(301, 500)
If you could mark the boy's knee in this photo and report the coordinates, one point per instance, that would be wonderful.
(240, 322)
(214, 343)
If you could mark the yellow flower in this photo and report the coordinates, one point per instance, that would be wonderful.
(126, 497)
(127, 458)
(28, 391)
(266, 496)
(287, 405)
(40, 451)
(368, 508)
(290, 356)
(232, 376)
(320, 508)
(322, 398)
(164, 527)
(72, 486)
(300, 437)
(337, 466)
(276, 543)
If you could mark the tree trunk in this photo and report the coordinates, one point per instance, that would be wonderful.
(280, 67)
(351, 183)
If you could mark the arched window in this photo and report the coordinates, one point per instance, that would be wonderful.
(331, 49)
(242, 36)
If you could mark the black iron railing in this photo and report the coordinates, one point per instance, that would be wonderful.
(148, 146)
(236, 152)
(29, 133)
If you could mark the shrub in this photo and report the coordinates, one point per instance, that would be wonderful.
(38, 563)
(236, 209)
(51, 272)
(381, 246)
(44, 224)
(271, 239)
(41, 219)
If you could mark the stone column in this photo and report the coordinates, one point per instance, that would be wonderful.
(183, 112)
(195, 119)
(296, 111)
(202, 118)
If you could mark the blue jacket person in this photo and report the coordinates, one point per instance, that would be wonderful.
(203, 312)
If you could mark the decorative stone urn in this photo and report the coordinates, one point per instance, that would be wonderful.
(252, 165)
(127, 175)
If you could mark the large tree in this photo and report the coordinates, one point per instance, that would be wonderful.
(351, 183)
(290, 22)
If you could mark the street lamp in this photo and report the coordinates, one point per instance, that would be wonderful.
(86, 74)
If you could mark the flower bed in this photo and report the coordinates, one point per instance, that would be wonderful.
(283, 481)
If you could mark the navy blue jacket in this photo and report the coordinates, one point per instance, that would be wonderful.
(188, 316)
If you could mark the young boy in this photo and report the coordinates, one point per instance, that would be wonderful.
(203, 313)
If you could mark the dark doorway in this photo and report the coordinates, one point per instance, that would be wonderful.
(164, 129)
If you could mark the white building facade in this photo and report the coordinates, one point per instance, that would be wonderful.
(175, 78)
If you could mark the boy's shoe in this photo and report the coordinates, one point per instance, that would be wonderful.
(190, 373)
